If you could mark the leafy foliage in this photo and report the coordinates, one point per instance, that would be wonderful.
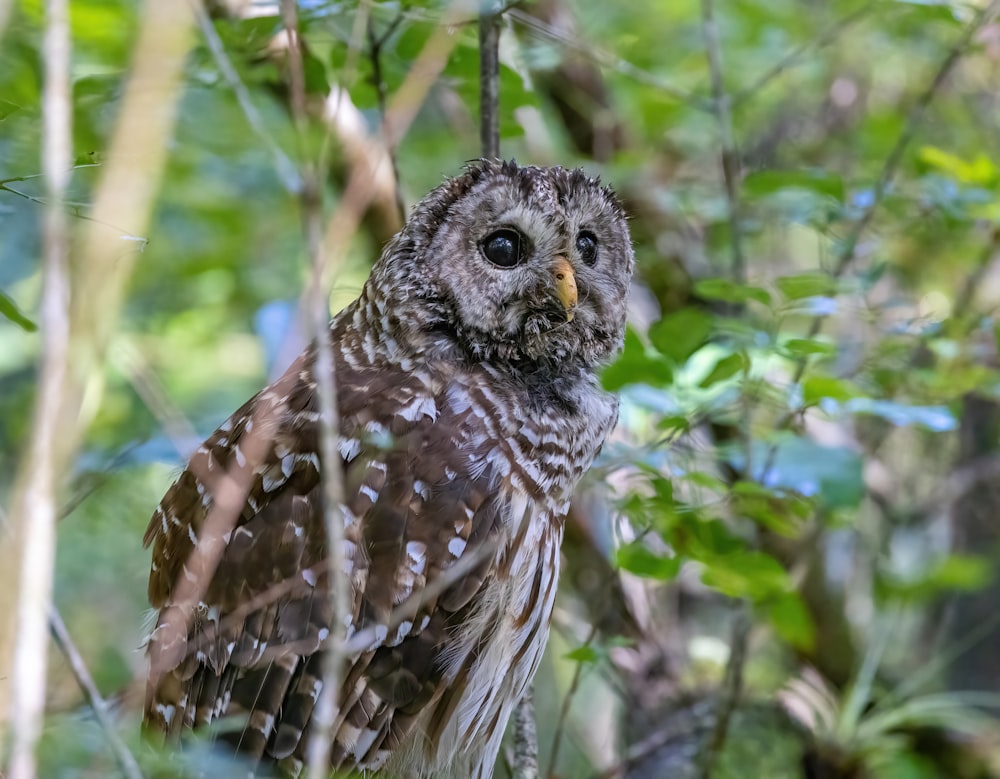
(800, 432)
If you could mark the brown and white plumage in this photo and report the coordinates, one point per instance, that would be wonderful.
(469, 409)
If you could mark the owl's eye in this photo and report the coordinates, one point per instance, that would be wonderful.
(586, 244)
(504, 247)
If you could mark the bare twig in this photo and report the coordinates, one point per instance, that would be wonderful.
(607, 60)
(5, 8)
(284, 166)
(567, 703)
(797, 54)
(732, 689)
(363, 639)
(34, 507)
(849, 246)
(168, 646)
(489, 80)
(402, 109)
(375, 44)
(730, 154)
(525, 764)
(126, 760)
(178, 428)
(331, 477)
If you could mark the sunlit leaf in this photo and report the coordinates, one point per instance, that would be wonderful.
(746, 574)
(767, 182)
(791, 620)
(679, 334)
(954, 573)
(637, 558)
(724, 369)
(816, 388)
(731, 292)
(808, 347)
(9, 309)
(980, 170)
(806, 285)
(937, 418)
(636, 366)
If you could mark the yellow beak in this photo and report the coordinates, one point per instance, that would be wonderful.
(565, 286)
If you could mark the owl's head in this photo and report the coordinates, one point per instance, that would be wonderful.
(513, 265)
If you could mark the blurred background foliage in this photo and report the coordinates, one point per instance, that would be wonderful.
(800, 535)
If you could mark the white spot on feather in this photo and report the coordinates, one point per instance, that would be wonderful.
(456, 546)
(309, 576)
(238, 454)
(349, 448)
(417, 554)
(166, 712)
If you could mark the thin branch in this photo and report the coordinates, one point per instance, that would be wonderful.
(525, 765)
(285, 167)
(402, 110)
(566, 704)
(126, 760)
(331, 477)
(6, 6)
(730, 154)
(732, 690)
(34, 508)
(177, 427)
(375, 44)
(607, 60)
(168, 643)
(489, 80)
(792, 58)
(363, 639)
(849, 246)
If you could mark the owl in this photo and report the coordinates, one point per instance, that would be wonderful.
(469, 407)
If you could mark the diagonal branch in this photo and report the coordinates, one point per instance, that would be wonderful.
(126, 760)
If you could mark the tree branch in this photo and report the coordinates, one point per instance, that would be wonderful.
(489, 79)
(34, 511)
(126, 760)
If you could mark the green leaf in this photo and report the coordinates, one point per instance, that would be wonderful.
(807, 347)
(792, 621)
(724, 369)
(636, 366)
(830, 474)
(806, 285)
(957, 573)
(782, 511)
(979, 171)
(767, 182)
(638, 559)
(937, 418)
(583, 654)
(679, 334)
(731, 292)
(816, 388)
(746, 574)
(10, 310)
(707, 480)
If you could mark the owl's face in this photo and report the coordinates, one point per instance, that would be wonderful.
(514, 265)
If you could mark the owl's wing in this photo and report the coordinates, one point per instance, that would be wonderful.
(253, 648)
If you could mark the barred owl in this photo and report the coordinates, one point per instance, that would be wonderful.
(469, 408)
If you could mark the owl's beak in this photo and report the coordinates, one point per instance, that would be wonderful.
(565, 286)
